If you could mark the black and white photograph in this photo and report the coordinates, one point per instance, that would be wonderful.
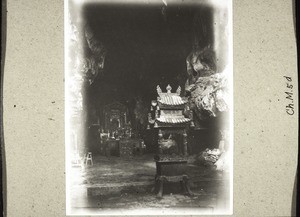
(148, 107)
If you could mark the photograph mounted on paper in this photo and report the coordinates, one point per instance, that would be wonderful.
(148, 107)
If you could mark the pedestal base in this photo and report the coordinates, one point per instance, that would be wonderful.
(183, 179)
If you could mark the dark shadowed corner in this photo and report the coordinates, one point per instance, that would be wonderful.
(2, 152)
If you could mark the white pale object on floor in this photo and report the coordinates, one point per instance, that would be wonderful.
(89, 158)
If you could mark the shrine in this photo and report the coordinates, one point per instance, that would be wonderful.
(115, 119)
(170, 114)
(116, 136)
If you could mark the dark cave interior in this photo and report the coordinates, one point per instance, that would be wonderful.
(146, 46)
(144, 49)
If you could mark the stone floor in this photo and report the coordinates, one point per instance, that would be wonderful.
(119, 183)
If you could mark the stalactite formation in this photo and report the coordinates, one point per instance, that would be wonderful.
(93, 64)
(206, 86)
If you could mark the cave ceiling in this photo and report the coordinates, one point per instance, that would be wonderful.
(145, 47)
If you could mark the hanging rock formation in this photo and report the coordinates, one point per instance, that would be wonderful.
(93, 64)
(206, 86)
(209, 94)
